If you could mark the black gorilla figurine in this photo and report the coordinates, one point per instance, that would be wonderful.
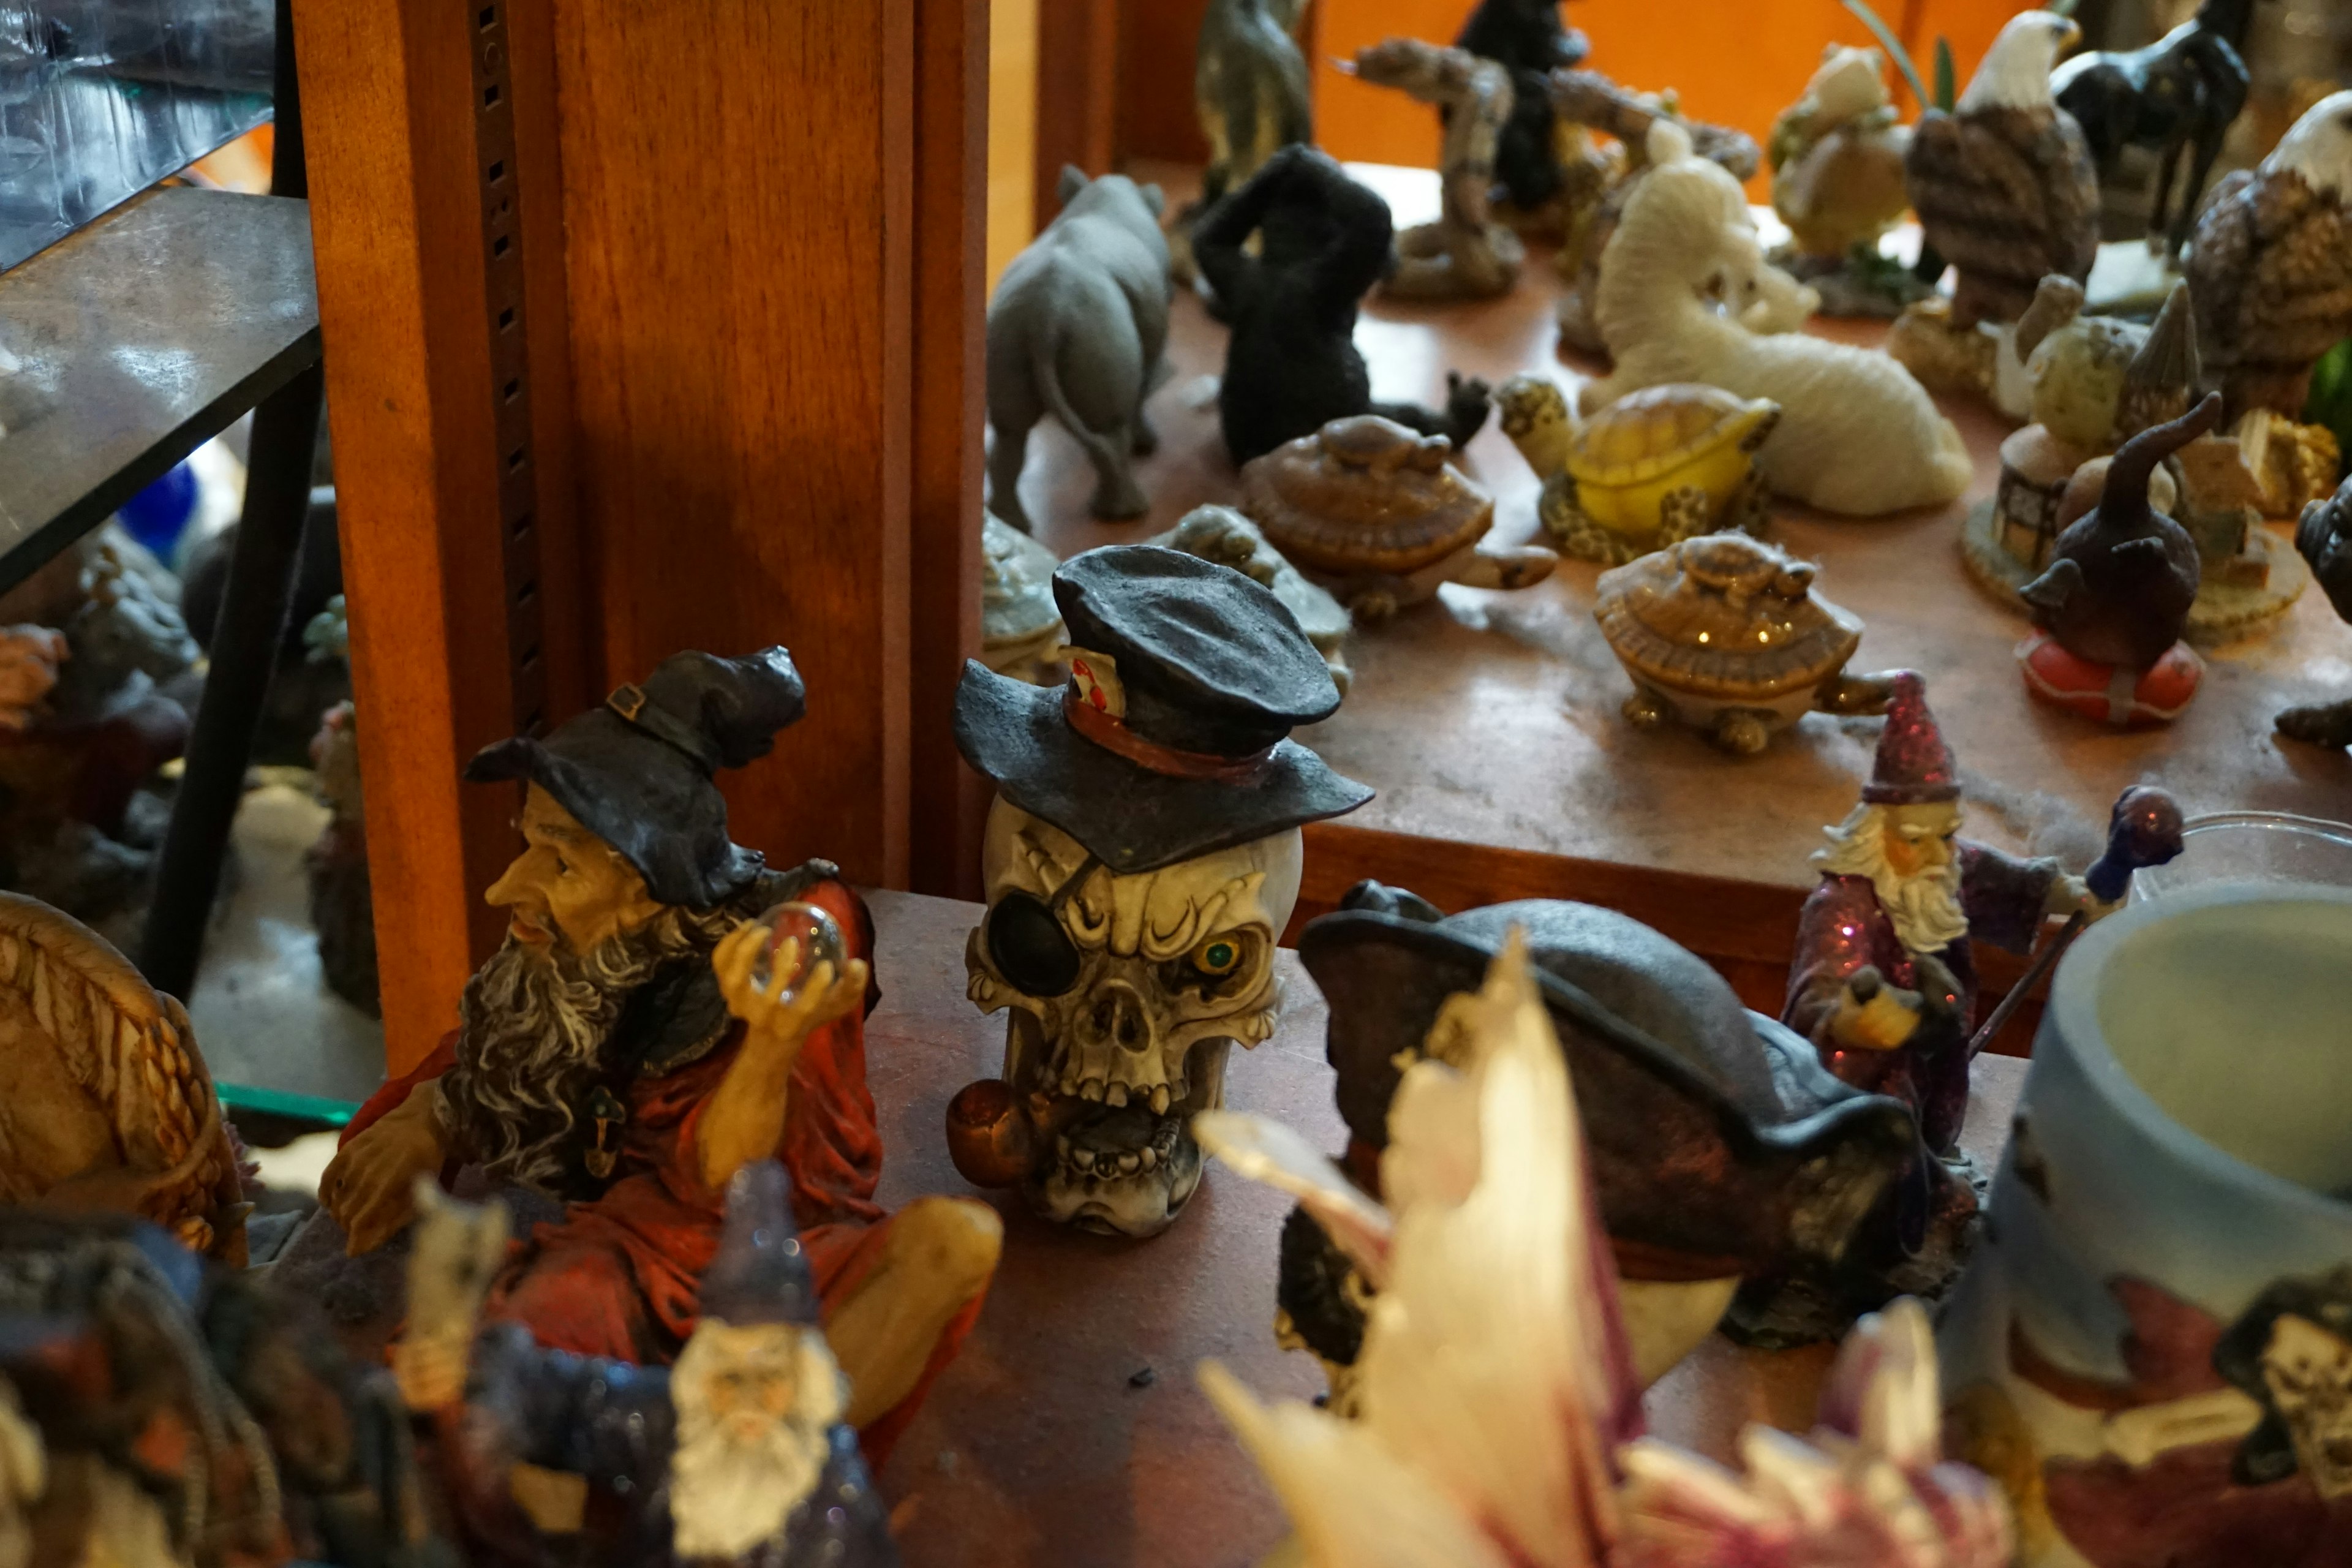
(1527, 39)
(1291, 365)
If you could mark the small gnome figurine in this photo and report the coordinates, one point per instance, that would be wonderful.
(2117, 595)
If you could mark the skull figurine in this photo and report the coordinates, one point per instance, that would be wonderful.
(1125, 994)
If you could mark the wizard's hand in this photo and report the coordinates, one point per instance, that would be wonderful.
(370, 1185)
(1872, 1015)
(785, 1014)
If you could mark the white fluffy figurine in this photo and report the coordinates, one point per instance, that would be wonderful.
(1683, 273)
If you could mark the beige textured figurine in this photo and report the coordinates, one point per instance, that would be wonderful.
(2271, 271)
(1378, 512)
(2004, 184)
(104, 1099)
(1857, 435)
(1663, 465)
(1837, 182)
(1465, 254)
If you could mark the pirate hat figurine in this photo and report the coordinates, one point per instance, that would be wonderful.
(1719, 1148)
(1140, 863)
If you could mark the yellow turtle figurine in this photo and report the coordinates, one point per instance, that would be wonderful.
(1661, 465)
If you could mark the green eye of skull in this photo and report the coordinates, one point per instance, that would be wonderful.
(1216, 956)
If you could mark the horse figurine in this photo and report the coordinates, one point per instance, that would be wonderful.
(2179, 92)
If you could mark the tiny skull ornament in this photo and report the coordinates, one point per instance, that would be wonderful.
(1158, 973)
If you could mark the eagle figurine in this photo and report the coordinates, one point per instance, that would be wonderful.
(2270, 270)
(2004, 184)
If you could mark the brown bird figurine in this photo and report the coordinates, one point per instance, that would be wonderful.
(2271, 271)
(2123, 575)
(2004, 184)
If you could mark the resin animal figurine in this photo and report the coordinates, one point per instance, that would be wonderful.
(1838, 182)
(1725, 633)
(1588, 98)
(1465, 254)
(1381, 514)
(737, 1455)
(2116, 595)
(2004, 184)
(1249, 86)
(2175, 96)
(1076, 330)
(1528, 40)
(1140, 863)
(1291, 365)
(2271, 271)
(1654, 467)
(2325, 539)
(1020, 630)
(1495, 1421)
(1885, 978)
(616, 1055)
(1221, 534)
(109, 1103)
(1686, 227)
(1700, 1114)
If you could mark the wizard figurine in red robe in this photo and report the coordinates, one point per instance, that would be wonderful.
(616, 1054)
(1884, 982)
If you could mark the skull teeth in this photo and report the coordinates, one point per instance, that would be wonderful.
(1150, 1157)
(1114, 1095)
(1084, 1159)
(1159, 1100)
(1091, 1090)
(1128, 1162)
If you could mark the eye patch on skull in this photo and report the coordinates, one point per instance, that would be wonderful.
(1026, 942)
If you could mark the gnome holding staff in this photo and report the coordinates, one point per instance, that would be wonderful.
(1884, 982)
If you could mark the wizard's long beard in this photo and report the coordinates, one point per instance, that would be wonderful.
(729, 1492)
(534, 1029)
(1924, 908)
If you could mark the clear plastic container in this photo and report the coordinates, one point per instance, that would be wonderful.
(2252, 846)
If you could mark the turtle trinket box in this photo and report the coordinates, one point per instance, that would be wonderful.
(1725, 633)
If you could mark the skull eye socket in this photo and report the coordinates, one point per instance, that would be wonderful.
(1217, 957)
(1026, 942)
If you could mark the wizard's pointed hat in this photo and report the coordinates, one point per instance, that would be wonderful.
(760, 1275)
(1913, 766)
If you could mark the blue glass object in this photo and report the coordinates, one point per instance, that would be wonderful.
(158, 515)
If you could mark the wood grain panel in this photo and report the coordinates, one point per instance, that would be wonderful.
(1077, 93)
(738, 195)
(948, 801)
(398, 230)
(1156, 116)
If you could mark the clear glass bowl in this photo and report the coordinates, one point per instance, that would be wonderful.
(2252, 846)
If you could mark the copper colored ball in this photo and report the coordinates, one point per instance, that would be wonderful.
(988, 1134)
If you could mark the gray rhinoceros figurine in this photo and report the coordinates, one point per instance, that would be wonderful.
(1076, 330)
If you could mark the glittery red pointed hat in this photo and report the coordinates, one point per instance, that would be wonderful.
(1914, 766)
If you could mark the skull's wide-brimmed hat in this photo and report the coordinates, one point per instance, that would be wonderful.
(637, 772)
(1170, 738)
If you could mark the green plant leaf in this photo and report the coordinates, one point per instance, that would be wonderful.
(1946, 93)
(1893, 45)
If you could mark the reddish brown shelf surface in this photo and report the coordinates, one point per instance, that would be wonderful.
(1491, 719)
(1036, 1450)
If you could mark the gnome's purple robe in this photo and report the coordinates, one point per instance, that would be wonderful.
(1842, 929)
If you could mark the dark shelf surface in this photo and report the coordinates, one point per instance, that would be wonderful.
(134, 340)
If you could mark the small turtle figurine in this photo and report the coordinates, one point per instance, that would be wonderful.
(1663, 465)
(1020, 626)
(1725, 633)
(1375, 510)
(1221, 534)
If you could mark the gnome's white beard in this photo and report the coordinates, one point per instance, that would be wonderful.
(726, 1493)
(1924, 908)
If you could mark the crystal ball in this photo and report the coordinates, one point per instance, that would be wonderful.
(819, 939)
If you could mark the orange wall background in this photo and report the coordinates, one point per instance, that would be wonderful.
(1736, 62)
